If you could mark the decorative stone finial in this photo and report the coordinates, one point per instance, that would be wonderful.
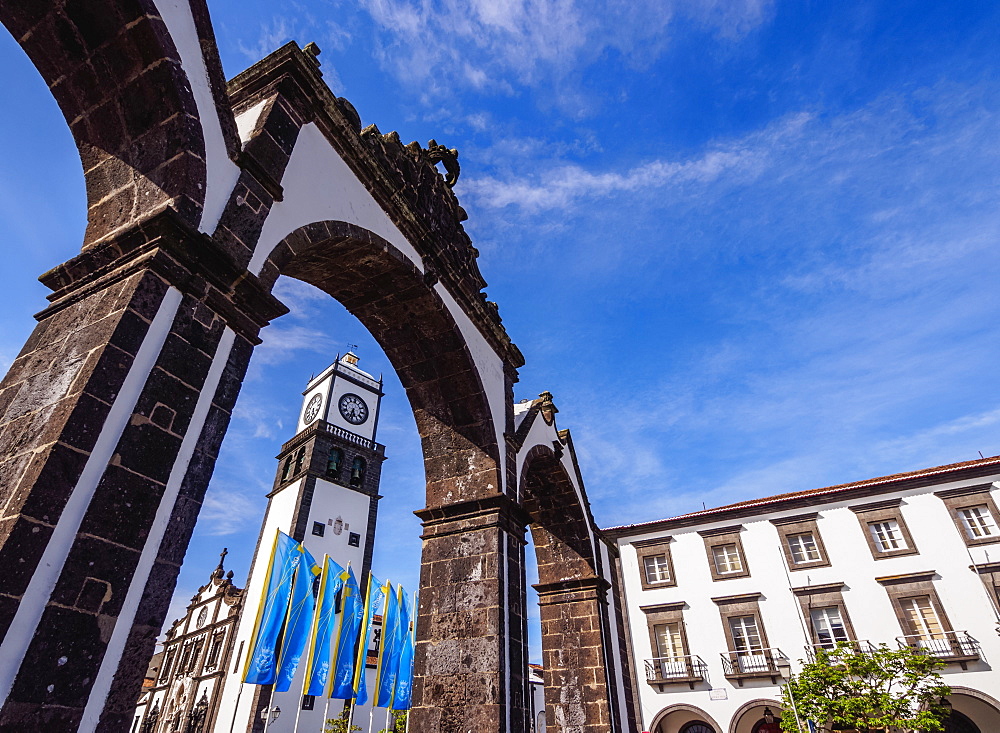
(547, 407)
(448, 156)
(312, 51)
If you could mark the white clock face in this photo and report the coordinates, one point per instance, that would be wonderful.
(353, 409)
(312, 409)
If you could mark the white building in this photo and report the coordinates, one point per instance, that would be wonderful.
(722, 602)
(183, 684)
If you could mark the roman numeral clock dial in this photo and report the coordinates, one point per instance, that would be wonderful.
(353, 409)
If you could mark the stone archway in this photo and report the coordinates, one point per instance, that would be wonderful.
(748, 715)
(675, 718)
(112, 416)
(582, 631)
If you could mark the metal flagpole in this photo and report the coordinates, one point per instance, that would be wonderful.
(326, 714)
(798, 608)
(236, 708)
(388, 712)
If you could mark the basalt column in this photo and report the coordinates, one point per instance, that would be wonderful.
(573, 648)
(471, 611)
(110, 422)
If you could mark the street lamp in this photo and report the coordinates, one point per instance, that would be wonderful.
(269, 714)
(768, 716)
(784, 667)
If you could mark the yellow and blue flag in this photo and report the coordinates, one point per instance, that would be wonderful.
(260, 668)
(352, 613)
(402, 697)
(300, 617)
(376, 592)
(392, 645)
(325, 629)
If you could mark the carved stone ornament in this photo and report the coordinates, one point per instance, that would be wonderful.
(448, 156)
(547, 407)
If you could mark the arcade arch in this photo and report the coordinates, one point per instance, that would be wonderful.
(683, 718)
(972, 707)
(750, 716)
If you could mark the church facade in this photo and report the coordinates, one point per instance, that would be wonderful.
(725, 603)
(185, 679)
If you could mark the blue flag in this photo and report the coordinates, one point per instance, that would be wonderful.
(260, 668)
(352, 612)
(300, 617)
(375, 594)
(403, 695)
(392, 644)
(319, 661)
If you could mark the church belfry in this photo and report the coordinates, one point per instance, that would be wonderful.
(325, 495)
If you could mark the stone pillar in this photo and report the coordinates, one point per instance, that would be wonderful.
(577, 692)
(110, 422)
(471, 609)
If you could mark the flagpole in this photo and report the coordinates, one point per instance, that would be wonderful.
(326, 715)
(236, 708)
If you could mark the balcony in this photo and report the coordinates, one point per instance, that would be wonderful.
(953, 647)
(661, 671)
(856, 646)
(755, 664)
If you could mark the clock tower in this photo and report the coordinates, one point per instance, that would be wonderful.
(325, 495)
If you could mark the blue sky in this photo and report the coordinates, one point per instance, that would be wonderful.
(750, 246)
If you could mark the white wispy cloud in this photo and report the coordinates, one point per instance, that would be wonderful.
(493, 45)
(229, 511)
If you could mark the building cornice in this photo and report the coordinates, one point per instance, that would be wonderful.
(807, 499)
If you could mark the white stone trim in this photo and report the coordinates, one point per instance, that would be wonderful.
(123, 625)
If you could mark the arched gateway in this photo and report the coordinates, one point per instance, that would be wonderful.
(200, 194)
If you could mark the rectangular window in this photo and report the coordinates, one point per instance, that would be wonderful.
(656, 568)
(319, 528)
(746, 636)
(978, 522)
(727, 559)
(974, 512)
(803, 548)
(887, 535)
(922, 618)
(354, 539)
(308, 702)
(885, 528)
(828, 626)
(669, 641)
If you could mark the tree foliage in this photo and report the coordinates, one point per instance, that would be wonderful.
(398, 725)
(340, 725)
(878, 689)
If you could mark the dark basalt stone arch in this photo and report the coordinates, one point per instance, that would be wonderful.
(116, 75)
(383, 289)
(573, 597)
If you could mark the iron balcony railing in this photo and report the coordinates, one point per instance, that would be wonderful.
(855, 645)
(955, 646)
(348, 435)
(680, 669)
(753, 663)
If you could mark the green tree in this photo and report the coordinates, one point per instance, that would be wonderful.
(339, 725)
(878, 689)
(398, 722)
